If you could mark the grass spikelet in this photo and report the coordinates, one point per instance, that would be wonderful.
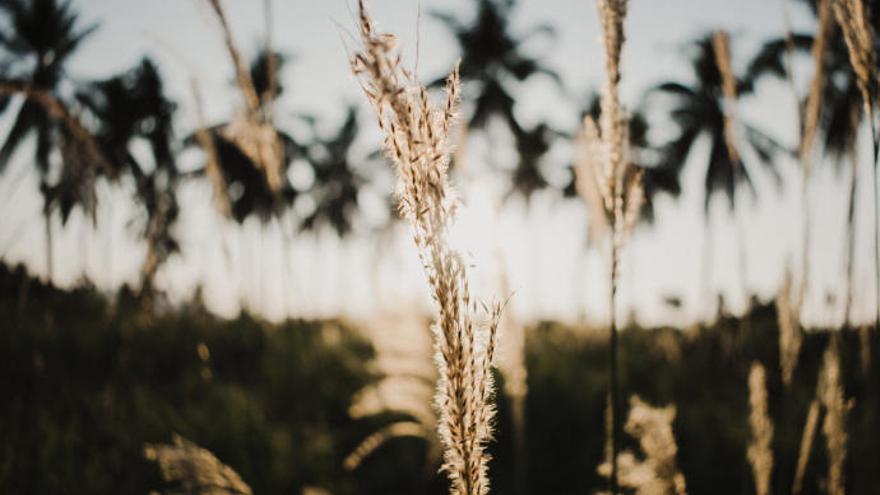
(837, 408)
(658, 472)
(855, 23)
(759, 453)
(790, 335)
(812, 114)
(617, 181)
(813, 107)
(587, 168)
(242, 76)
(612, 122)
(379, 438)
(194, 470)
(853, 19)
(807, 438)
(212, 162)
(416, 131)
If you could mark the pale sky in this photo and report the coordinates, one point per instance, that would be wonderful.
(541, 251)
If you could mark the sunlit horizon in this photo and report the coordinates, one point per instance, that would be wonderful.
(539, 247)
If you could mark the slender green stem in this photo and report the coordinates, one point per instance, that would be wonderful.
(850, 248)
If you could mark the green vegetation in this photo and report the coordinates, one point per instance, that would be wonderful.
(88, 381)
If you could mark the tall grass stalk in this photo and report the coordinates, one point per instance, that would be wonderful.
(721, 49)
(854, 21)
(790, 334)
(759, 453)
(806, 447)
(212, 158)
(816, 96)
(812, 113)
(416, 132)
(619, 184)
(837, 408)
(253, 131)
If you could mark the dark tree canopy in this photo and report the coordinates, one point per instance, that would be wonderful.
(492, 58)
(337, 180)
(842, 108)
(43, 35)
(698, 110)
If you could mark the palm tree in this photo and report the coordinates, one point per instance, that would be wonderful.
(264, 71)
(337, 180)
(531, 146)
(248, 157)
(252, 130)
(43, 36)
(245, 188)
(492, 58)
(698, 110)
(658, 176)
(841, 112)
(133, 106)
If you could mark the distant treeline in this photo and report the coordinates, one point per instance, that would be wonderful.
(89, 379)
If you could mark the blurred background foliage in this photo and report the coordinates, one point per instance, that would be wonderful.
(89, 380)
(90, 376)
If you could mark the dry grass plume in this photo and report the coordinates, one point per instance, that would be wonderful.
(814, 103)
(852, 16)
(806, 447)
(790, 334)
(194, 470)
(610, 170)
(657, 473)
(837, 408)
(253, 131)
(416, 131)
(854, 20)
(760, 453)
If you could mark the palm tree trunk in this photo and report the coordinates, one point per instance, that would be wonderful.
(109, 257)
(805, 241)
(851, 242)
(84, 249)
(284, 266)
(50, 268)
(380, 247)
(261, 269)
(706, 270)
(742, 257)
(241, 261)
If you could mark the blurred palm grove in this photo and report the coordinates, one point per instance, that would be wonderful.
(122, 388)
